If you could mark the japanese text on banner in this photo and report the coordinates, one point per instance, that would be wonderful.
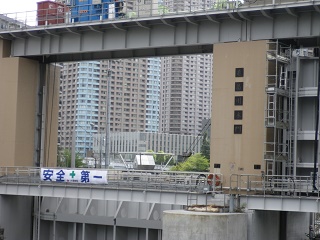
(85, 176)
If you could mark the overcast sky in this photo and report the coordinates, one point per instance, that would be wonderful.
(10, 6)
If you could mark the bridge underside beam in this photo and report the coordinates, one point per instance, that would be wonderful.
(281, 203)
(170, 35)
(102, 220)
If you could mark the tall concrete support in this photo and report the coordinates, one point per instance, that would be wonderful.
(20, 96)
(16, 217)
(238, 98)
(263, 225)
(297, 225)
(51, 101)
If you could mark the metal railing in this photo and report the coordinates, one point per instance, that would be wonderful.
(133, 179)
(178, 181)
(273, 185)
(130, 10)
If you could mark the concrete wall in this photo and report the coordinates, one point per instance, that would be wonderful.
(16, 216)
(297, 225)
(183, 225)
(52, 110)
(17, 108)
(264, 225)
(238, 153)
(253, 225)
(19, 81)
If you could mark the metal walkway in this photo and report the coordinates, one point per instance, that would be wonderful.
(159, 187)
(257, 192)
(166, 33)
(276, 193)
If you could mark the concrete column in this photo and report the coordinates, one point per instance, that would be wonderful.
(263, 225)
(181, 224)
(19, 96)
(297, 225)
(16, 216)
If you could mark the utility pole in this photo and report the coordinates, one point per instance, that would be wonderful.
(73, 150)
(100, 148)
(107, 147)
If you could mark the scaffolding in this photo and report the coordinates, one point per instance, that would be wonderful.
(279, 110)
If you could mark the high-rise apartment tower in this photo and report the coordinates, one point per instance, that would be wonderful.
(185, 93)
(134, 99)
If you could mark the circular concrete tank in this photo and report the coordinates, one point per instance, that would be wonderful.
(189, 225)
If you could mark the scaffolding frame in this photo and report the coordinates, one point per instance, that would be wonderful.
(279, 110)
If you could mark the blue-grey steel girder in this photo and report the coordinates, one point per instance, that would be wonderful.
(187, 33)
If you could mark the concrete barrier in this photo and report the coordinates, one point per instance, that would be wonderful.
(186, 225)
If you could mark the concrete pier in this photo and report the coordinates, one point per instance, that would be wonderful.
(185, 225)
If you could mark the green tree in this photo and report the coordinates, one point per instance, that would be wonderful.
(150, 151)
(195, 163)
(162, 159)
(205, 147)
(65, 159)
(162, 9)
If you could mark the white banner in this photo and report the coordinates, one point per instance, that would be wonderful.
(85, 176)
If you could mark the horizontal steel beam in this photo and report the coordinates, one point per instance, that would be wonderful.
(101, 193)
(281, 203)
(102, 220)
(189, 33)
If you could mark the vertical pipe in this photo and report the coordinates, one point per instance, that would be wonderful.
(74, 235)
(316, 132)
(39, 220)
(114, 229)
(43, 127)
(311, 219)
(100, 148)
(83, 231)
(231, 203)
(37, 139)
(295, 140)
(54, 228)
(73, 151)
(35, 219)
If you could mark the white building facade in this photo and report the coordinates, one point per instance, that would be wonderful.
(176, 144)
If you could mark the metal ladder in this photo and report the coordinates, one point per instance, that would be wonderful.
(271, 111)
(192, 198)
(283, 78)
(277, 118)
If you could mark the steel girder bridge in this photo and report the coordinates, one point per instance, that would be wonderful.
(165, 33)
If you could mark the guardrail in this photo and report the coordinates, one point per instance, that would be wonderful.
(135, 10)
(138, 179)
(273, 185)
